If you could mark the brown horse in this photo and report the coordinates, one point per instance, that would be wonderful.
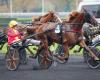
(41, 20)
(48, 17)
(70, 33)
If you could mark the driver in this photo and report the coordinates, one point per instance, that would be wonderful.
(14, 35)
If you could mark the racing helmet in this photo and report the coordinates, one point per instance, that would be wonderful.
(12, 23)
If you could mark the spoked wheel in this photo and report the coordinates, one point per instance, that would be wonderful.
(90, 61)
(12, 59)
(44, 62)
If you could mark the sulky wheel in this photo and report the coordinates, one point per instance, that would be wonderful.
(90, 61)
(12, 59)
(44, 62)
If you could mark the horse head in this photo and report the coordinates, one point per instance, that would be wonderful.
(48, 17)
(77, 19)
(89, 18)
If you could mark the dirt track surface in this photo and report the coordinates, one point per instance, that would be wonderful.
(75, 69)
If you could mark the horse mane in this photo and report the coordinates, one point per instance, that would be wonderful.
(71, 16)
(47, 17)
(36, 19)
(78, 17)
(44, 18)
(78, 22)
(74, 21)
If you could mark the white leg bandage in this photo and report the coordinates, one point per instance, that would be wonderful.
(32, 41)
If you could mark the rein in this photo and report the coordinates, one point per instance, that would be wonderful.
(79, 24)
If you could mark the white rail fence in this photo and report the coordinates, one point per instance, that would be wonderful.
(27, 15)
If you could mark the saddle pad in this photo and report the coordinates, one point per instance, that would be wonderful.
(58, 28)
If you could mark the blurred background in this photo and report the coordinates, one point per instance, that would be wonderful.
(23, 10)
(28, 6)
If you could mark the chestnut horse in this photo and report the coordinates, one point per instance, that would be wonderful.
(48, 17)
(70, 33)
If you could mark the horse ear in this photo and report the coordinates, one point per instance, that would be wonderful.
(51, 11)
(85, 10)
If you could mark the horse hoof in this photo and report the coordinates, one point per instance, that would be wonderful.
(60, 59)
(66, 59)
(97, 59)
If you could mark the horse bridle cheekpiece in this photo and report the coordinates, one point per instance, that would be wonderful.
(88, 17)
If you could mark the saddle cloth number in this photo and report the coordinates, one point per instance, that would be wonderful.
(57, 29)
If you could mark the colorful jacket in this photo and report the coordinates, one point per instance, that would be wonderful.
(13, 35)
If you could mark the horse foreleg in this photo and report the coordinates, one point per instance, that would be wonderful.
(45, 46)
(66, 53)
(82, 44)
